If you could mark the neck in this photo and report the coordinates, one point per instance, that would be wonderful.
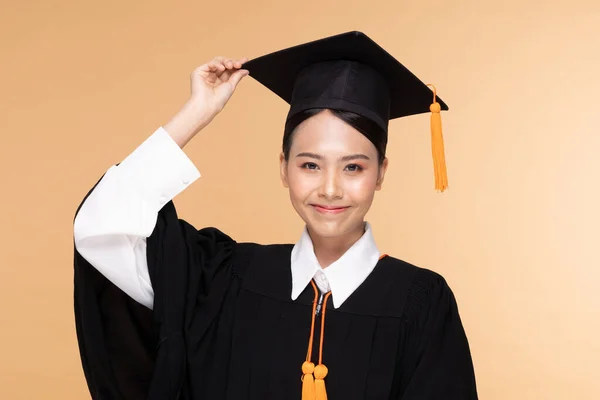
(329, 249)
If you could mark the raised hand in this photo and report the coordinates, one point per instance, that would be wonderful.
(212, 85)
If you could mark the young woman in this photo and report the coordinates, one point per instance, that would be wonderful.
(166, 311)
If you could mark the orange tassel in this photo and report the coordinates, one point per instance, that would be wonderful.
(437, 145)
(320, 374)
(308, 383)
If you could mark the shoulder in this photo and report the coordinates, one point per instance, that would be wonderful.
(258, 256)
(215, 235)
(426, 288)
(260, 250)
(418, 275)
(219, 247)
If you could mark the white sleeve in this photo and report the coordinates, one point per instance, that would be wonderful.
(112, 225)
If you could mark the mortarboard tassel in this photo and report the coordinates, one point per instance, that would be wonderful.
(437, 145)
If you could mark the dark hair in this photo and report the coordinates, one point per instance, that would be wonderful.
(362, 124)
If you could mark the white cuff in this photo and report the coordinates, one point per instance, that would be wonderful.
(158, 170)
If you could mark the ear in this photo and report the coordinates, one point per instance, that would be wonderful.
(382, 171)
(283, 170)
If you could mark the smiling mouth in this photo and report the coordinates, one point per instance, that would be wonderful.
(328, 209)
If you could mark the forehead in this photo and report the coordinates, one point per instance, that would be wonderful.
(326, 133)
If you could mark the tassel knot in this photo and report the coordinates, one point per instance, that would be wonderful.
(308, 368)
(321, 372)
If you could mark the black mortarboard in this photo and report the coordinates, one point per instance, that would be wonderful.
(350, 72)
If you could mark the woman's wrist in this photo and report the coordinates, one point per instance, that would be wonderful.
(190, 120)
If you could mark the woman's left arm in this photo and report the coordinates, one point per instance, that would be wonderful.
(438, 357)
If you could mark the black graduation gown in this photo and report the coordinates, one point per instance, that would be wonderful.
(224, 326)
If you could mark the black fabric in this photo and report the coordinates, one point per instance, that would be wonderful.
(224, 326)
(347, 72)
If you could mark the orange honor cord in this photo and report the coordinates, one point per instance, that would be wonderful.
(321, 370)
(308, 383)
(313, 386)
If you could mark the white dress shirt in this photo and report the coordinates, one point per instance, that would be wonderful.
(113, 223)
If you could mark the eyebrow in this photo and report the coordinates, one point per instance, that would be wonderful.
(342, 159)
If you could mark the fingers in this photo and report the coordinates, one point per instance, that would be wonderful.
(220, 65)
(218, 71)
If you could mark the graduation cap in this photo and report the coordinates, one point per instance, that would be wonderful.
(351, 72)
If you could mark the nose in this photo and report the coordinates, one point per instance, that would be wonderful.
(331, 187)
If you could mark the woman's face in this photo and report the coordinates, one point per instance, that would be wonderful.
(332, 174)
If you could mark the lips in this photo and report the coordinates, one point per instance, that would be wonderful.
(324, 209)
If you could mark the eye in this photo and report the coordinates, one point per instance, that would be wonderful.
(310, 165)
(354, 168)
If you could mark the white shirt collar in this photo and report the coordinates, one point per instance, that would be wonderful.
(343, 277)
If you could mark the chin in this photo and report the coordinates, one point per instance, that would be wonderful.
(327, 229)
(323, 231)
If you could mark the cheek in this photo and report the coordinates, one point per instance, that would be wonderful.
(300, 184)
(361, 190)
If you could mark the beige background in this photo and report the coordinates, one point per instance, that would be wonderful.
(83, 83)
